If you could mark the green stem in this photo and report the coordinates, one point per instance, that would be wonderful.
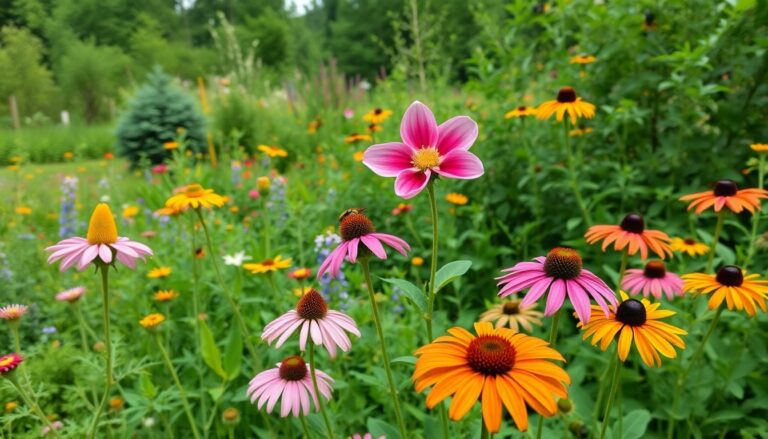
(384, 354)
(235, 308)
(196, 318)
(601, 387)
(552, 339)
(176, 380)
(483, 430)
(612, 394)
(757, 214)
(83, 338)
(16, 336)
(574, 176)
(320, 403)
(304, 425)
(715, 240)
(33, 405)
(622, 268)
(107, 348)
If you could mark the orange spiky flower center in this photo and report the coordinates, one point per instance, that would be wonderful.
(633, 223)
(566, 95)
(312, 306)
(655, 270)
(293, 369)
(511, 308)
(426, 158)
(102, 228)
(563, 263)
(355, 225)
(725, 188)
(491, 355)
(730, 276)
(631, 312)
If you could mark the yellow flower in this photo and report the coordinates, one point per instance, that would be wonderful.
(167, 211)
(16, 159)
(358, 156)
(583, 59)
(159, 272)
(130, 212)
(195, 196)
(23, 210)
(299, 292)
(377, 115)
(13, 167)
(521, 111)
(273, 151)
(579, 132)
(268, 265)
(166, 295)
(457, 199)
(355, 137)
(567, 102)
(170, 145)
(69, 154)
(116, 403)
(313, 126)
(688, 245)
(11, 406)
(759, 147)
(374, 128)
(152, 321)
(300, 273)
(417, 261)
(263, 183)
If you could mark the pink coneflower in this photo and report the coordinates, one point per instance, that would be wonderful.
(101, 245)
(426, 148)
(560, 273)
(356, 228)
(290, 380)
(71, 295)
(9, 362)
(653, 279)
(55, 425)
(326, 327)
(365, 436)
(160, 169)
(13, 312)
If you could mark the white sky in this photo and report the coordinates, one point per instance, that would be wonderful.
(301, 5)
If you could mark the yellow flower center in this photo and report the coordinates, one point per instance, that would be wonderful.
(6, 361)
(194, 191)
(102, 228)
(426, 158)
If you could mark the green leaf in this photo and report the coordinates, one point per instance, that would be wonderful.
(410, 291)
(408, 359)
(233, 354)
(635, 424)
(379, 428)
(216, 392)
(449, 272)
(145, 385)
(211, 353)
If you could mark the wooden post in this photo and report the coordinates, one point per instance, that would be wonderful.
(14, 112)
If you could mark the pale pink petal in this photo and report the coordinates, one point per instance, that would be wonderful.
(410, 182)
(314, 331)
(105, 253)
(393, 241)
(288, 332)
(418, 127)
(388, 159)
(459, 132)
(327, 263)
(374, 245)
(303, 335)
(88, 256)
(126, 260)
(460, 164)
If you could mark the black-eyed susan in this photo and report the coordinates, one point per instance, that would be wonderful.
(759, 147)
(268, 265)
(521, 111)
(730, 284)
(457, 199)
(374, 128)
(583, 59)
(194, 196)
(273, 151)
(165, 295)
(159, 272)
(580, 131)
(567, 102)
(511, 313)
(498, 366)
(357, 137)
(689, 246)
(726, 193)
(377, 115)
(638, 321)
(152, 321)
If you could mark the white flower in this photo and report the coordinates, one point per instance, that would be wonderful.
(148, 422)
(104, 199)
(237, 259)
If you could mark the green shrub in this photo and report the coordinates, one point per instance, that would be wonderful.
(154, 117)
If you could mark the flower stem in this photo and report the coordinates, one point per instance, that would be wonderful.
(235, 308)
(552, 339)
(107, 348)
(320, 403)
(32, 404)
(622, 268)
(196, 317)
(182, 393)
(758, 212)
(16, 337)
(715, 240)
(601, 387)
(615, 379)
(304, 425)
(574, 177)
(380, 332)
(483, 429)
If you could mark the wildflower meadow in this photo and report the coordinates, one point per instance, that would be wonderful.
(399, 219)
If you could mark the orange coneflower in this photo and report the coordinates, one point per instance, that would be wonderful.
(631, 233)
(583, 59)
(498, 366)
(567, 102)
(726, 193)
(521, 111)
(638, 320)
(729, 284)
(688, 245)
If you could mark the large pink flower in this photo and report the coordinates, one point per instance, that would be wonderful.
(326, 327)
(355, 229)
(653, 279)
(560, 273)
(426, 148)
(290, 380)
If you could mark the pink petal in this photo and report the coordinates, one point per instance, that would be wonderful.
(556, 297)
(459, 132)
(388, 159)
(303, 335)
(580, 300)
(537, 290)
(418, 127)
(105, 253)
(327, 263)
(393, 241)
(374, 245)
(338, 259)
(410, 182)
(461, 164)
(126, 260)
(88, 256)
(352, 250)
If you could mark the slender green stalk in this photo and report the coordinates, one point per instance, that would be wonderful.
(601, 386)
(107, 348)
(235, 308)
(384, 354)
(622, 268)
(231, 433)
(196, 319)
(320, 403)
(757, 214)
(552, 339)
(304, 426)
(32, 404)
(483, 429)
(615, 379)
(82, 326)
(574, 175)
(715, 240)
(16, 337)
(182, 393)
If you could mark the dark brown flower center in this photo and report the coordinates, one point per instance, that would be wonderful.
(650, 18)
(655, 270)
(377, 111)
(268, 262)
(566, 94)
(312, 306)
(511, 308)
(491, 355)
(689, 241)
(631, 312)
(521, 108)
(726, 188)
(563, 263)
(355, 225)
(730, 276)
(633, 223)
(293, 369)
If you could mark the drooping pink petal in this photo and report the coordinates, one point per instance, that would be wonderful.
(556, 297)
(126, 260)
(327, 264)
(580, 300)
(88, 256)
(303, 335)
(388, 159)
(338, 259)
(537, 290)
(396, 243)
(418, 127)
(460, 164)
(352, 250)
(374, 245)
(287, 332)
(458, 132)
(105, 253)
(410, 182)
